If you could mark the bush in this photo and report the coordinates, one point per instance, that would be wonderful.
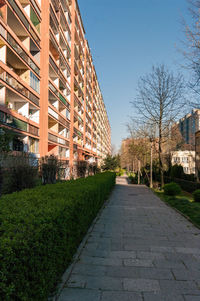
(177, 171)
(40, 230)
(188, 186)
(196, 195)
(120, 173)
(172, 189)
(19, 172)
(82, 168)
(50, 167)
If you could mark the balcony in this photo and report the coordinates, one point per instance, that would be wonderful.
(16, 26)
(18, 124)
(11, 41)
(56, 139)
(20, 69)
(54, 48)
(53, 100)
(14, 84)
(53, 76)
(18, 104)
(64, 152)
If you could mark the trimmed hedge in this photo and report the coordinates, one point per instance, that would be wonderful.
(188, 186)
(172, 189)
(196, 195)
(40, 230)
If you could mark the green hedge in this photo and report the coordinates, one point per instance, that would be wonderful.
(172, 189)
(196, 195)
(40, 230)
(188, 186)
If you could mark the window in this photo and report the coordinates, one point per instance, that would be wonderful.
(33, 145)
(176, 160)
(35, 20)
(35, 83)
(18, 145)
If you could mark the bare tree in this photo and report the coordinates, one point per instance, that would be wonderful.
(159, 101)
(191, 48)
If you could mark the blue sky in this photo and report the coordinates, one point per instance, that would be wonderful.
(126, 38)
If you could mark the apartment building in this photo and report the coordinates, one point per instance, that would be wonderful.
(188, 125)
(49, 91)
(184, 158)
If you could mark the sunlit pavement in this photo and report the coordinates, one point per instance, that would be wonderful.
(139, 250)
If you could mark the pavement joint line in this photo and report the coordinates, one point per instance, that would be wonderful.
(78, 253)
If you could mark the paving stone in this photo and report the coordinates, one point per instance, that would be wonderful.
(181, 287)
(138, 262)
(123, 272)
(95, 282)
(74, 294)
(180, 274)
(141, 285)
(149, 255)
(191, 298)
(163, 249)
(188, 250)
(160, 263)
(156, 273)
(123, 254)
(93, 270)
(160, 297)
(101, 261)
(120, 296)
(103, 283)
(134, 247)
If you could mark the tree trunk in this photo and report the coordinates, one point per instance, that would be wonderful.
(160, 160)
(151, 173)
(138, 172)
(160, 145)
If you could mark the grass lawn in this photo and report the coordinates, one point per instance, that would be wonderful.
(183, 203)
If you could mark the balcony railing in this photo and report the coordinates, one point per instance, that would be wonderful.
(22, 53)
(56, 139)
(13, 83)
(53, 89)
(18, 124)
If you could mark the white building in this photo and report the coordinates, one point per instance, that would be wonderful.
(186, 159)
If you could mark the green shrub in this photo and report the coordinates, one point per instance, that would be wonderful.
(188, 186)
(40, 230)
(177, 171)
(196, 195)
(18, 172)
(82, 168)
(172, 189)
(50, 167)
(120, 173)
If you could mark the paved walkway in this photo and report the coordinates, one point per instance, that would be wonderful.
(139, 250)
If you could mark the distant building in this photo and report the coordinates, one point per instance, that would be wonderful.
(197, 149)
(189, 125)
(186, 159)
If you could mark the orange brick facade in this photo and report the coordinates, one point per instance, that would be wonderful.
(49, 91)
